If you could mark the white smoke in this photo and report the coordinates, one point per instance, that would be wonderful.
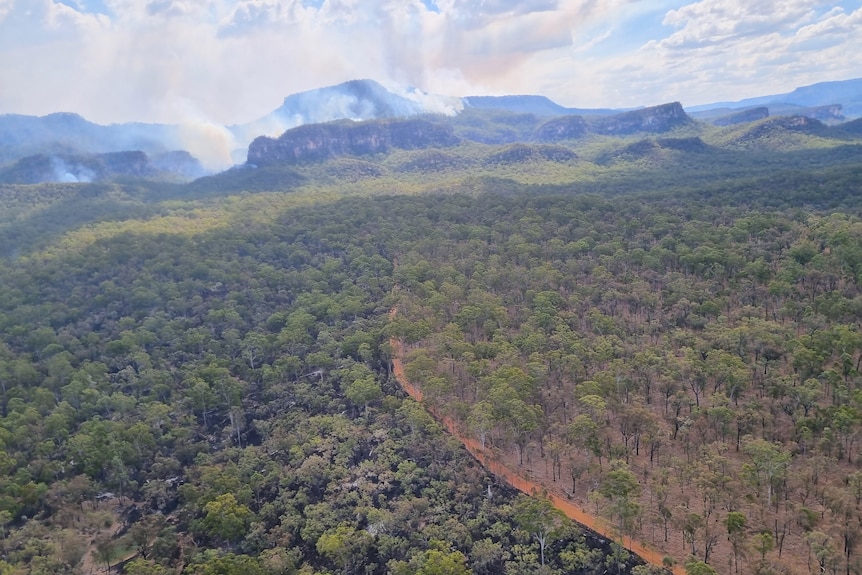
(69, 174)
(210, 143)
(429, 103)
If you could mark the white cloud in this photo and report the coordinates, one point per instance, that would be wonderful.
(735, 49)
(6, 7)
(228, 61)
(711, 22)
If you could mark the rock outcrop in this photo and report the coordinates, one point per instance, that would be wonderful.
(778, 133)
(824, 113)
(653, 120)
(319, 142)
(789, 123)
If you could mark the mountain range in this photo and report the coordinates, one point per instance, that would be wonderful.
(847, 93)
(70, 138)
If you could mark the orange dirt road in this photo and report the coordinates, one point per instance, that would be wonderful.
(513, 478)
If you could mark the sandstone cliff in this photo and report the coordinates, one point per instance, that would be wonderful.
(654, 120)
(318, 142)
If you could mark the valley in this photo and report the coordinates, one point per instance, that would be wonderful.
(653, 318)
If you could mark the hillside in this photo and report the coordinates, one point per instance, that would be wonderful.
(64, 168)
(226, 408)
(672, 341)
(486, 119)
(65, 133)
(659, 326)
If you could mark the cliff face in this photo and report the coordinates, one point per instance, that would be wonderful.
(778, 133)
(791, 123)
(656, 120)
(824, 113)
(318, 142)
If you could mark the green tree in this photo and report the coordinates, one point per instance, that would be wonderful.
(767, 467)
(537, 516)
(620, 489)
(226, 518)
(142, 566)
(363, 391)
(441, 562)
(345, 546)
(763, 543)
(583, 433)
(735, 523)
(481, 420)
(699, 568)
(228, 564)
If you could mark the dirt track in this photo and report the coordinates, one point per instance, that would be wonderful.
(514, 478)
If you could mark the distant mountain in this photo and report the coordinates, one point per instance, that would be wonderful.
(319, 142)
(538, 105)
(65, 147)
(832, 113)
(847, 93)
(776, 133)
(655, 119)
(353, 100)
(66, 168)
(21, 136)
(488, 119)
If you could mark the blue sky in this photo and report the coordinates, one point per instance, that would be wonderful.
(223, 62)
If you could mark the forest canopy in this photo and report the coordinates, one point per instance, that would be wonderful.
(197, 379)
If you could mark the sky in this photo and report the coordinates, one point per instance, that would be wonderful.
(230, 62)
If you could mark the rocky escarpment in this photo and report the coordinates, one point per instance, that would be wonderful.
(318, 142)
(824, 113)
(802, 124)
(777, 133)
(743, 117)
(655, 120)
